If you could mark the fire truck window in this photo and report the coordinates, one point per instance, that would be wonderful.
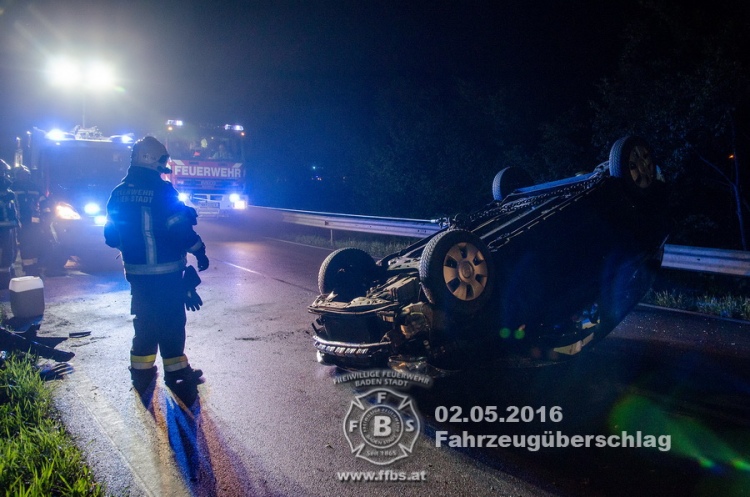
(222, 152)
(78, 168)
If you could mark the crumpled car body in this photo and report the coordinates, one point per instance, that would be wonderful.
(538, 275)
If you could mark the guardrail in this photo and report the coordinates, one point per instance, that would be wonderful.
(706, 260)
(413, 228)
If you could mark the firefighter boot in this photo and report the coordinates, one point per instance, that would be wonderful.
(184, 384)
(142, 378)
(184, 376)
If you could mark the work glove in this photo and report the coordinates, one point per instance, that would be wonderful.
(190, 280)
(201, 259)
(193, 301)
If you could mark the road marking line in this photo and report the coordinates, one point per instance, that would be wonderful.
(269, 277)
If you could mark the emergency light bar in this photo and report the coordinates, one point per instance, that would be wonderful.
(58, 134)
(123, 138)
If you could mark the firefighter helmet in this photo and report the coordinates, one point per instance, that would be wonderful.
(150, 153)
(5, 175)
(21, 173)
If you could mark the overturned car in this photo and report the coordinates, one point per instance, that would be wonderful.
(538, 275)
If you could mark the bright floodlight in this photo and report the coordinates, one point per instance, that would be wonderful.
(64, 72)
(69, 73)
(99, 76)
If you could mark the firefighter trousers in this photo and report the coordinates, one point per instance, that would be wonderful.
(31, 243)
(158, 304)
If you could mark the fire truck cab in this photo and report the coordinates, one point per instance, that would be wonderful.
(77, 170)
(208, 166)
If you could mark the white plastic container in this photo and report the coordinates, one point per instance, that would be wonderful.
(26, 296)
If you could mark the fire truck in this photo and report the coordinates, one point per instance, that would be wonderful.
(77, 170)
(208, 165)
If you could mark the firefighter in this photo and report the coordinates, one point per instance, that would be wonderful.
(8, 226)
(30, 200)
(154, 232)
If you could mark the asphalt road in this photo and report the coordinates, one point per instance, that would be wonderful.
(269, 419)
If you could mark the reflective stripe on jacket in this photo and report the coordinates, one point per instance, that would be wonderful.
(149, 224)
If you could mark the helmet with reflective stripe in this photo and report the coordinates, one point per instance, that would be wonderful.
(150, 153)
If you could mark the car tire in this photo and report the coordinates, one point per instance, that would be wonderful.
(456, 271)
(631, 160)
(348, 272)
(508, 180)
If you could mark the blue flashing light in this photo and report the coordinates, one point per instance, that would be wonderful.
(123, 138)
(56, 135)
(92, 208)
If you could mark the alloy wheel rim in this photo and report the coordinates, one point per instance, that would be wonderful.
(465, 271)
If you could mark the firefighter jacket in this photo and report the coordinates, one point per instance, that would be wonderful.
(30, 199)
(8, 210)
(150, 226)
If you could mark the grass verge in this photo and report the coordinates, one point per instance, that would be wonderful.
(37, 456)
(726, 306)
(712, 294)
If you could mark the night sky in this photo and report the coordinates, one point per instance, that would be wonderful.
(301, 74)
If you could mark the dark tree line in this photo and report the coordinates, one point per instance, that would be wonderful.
(682, 83)
(431, 150)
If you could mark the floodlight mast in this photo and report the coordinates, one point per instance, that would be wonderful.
(67, 73)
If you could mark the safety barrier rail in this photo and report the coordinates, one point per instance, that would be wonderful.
(413, 228)
(706, 260)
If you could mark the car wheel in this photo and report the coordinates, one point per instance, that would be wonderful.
(348, 272)
(631, 160)
(456, 271)
(509, 180)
